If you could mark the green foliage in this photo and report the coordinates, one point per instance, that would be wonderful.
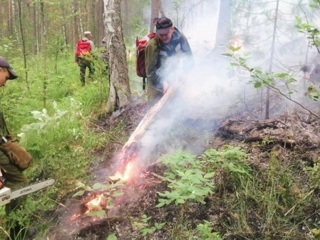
(187, 181)
(280, 83)
(261, 78)
(138, 26)
(176, 4)
(313, 92)
(52, 121)
(311, 31)
(264, 199)
(112, 237)
(230, 159)
(144, 227)
(206, 231)
(315, 4)
(191, 178)
(314, 173)
(7, 48)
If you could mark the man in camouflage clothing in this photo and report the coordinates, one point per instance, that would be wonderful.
(12, 176)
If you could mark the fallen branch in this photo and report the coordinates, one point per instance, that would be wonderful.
(148, 118)
(130, 147)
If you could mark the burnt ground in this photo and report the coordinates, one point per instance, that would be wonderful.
(294, 138)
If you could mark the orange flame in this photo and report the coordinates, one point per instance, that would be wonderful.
(96, 204)
(126, 173)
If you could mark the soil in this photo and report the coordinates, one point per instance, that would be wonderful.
(294, 137)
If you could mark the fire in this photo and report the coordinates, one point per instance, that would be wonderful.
(96, 204)
(125, 175)
(99, 201)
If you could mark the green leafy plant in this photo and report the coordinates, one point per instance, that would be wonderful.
(56, 127)
(186, 180)
(311, 31)
(191, 178)
(280, 83)
(259, 77)
(206, 231)
(314, 173)
(144, 227)
(230, 159)
(112, 237)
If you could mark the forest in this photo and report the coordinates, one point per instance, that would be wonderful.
(231, 150)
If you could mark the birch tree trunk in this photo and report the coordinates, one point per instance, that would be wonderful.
(223, 29)
(156, 11)
(119, 88)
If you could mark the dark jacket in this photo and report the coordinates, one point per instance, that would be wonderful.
(158, 52)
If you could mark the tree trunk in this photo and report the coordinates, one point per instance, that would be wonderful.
(126, 17)
(100, 31)
(119, 88)
(156, 11)
(10, 20)
(75, 19)
(267, 113)
(64, 22)
(23, 41)
(223, 29)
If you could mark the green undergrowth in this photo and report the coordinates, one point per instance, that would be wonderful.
(243, 202)
(239, 200)
(221, 194)
(52, 116)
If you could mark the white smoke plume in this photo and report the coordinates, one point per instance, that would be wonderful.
(211, 91)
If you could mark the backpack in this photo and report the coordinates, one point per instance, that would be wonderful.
(83, 48)
(140, 56)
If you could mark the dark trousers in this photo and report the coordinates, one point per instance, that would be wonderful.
(84, 64)
(15, 180)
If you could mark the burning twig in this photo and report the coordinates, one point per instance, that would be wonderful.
(126, 173)
(98, 203)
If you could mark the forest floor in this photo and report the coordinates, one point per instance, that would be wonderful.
(294, 139)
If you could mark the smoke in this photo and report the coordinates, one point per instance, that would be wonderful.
(212, 90)
(203, 96)
(198, 21)
(205, 90)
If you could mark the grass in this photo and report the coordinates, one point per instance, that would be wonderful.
(52, 114)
